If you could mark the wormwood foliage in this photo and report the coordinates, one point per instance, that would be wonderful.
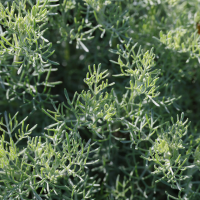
(99, 99)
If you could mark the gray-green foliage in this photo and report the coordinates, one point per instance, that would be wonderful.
(24, 53)
(125, 128)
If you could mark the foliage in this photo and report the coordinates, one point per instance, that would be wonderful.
(100, 83)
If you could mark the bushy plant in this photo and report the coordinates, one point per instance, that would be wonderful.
(99, 99)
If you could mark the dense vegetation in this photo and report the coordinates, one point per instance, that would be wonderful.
(99, 99)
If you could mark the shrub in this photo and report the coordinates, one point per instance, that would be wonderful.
(99, 99)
